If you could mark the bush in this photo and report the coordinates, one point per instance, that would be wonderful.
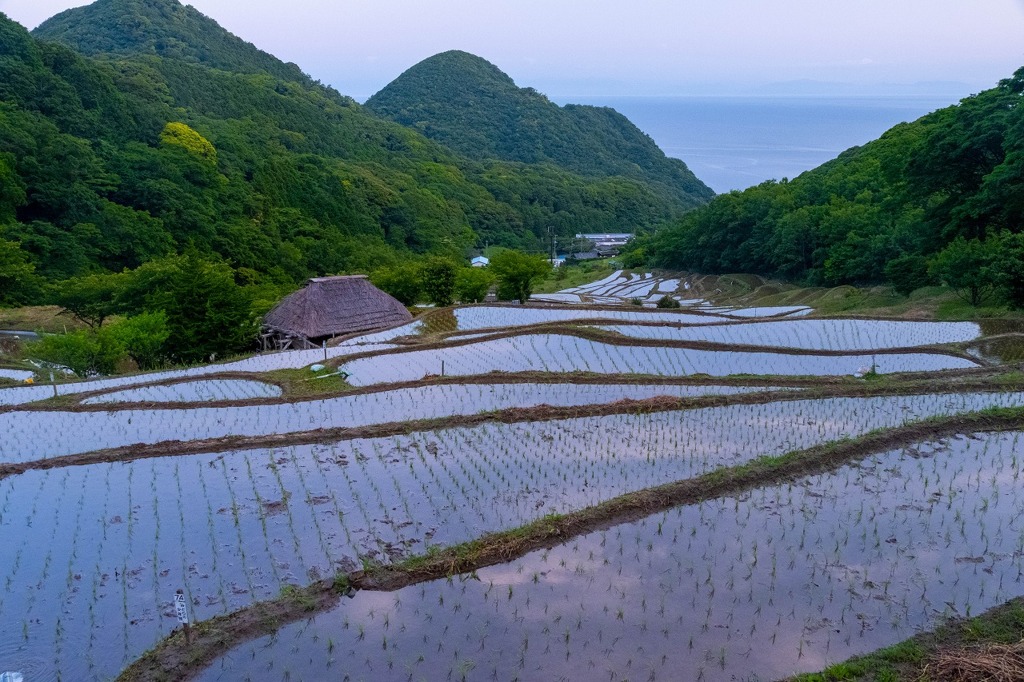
(517, 274)
(438, 280)
(908, 273)
(668, 302)
(143, 338)
(472, 284)
(401, 281)
(86, 352)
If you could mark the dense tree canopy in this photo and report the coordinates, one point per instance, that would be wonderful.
(468, 104)
(174, 133)
(877, 213)
(517, 274)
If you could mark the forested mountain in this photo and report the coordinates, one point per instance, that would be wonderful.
(929, 199)
(176, 134)
(165, 28)
(470, 105)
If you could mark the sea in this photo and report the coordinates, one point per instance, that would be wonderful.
(732, 143)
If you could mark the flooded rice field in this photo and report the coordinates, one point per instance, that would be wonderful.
(564, 353)
(40, 435)
(110, 543)
(756, 584)
(839, 334)
(755, 587)
(190, 392)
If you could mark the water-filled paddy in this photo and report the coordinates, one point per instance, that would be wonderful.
(807, 572)
(486, 317)
(258, 363)
(109, 543)
(827, 334)
(26, 436)
(778, 580)
(191, 391)
(563, 353)
(15, 374)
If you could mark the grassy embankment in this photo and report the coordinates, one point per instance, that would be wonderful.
(987, 647)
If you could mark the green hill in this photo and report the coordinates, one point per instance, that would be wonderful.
(471, 106)
(164, 28)
(140, 151)
(883, 212)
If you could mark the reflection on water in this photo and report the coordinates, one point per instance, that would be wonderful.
(1005, 350)
(1001, 326)
(778, 580)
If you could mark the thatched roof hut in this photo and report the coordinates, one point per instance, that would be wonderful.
(330, 306)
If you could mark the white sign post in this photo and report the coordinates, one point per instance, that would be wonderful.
(181, 608)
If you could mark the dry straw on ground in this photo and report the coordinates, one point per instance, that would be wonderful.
(992, 663)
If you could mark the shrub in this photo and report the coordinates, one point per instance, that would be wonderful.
(472, 284)
(85, 352)
(908, 273)
(438, 278)
(401, 281)
(668, 302)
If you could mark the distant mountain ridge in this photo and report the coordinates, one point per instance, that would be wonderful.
(165, 28)
(471, 106)
(178, 135)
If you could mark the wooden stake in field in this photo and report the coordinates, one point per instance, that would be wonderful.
(182, 610)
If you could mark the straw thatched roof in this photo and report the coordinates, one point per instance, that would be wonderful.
(333, 306)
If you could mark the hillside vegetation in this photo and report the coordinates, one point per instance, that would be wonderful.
(936, 200)
(174, 134)
(470, 105)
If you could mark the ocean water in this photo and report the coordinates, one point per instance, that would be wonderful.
(736, 142)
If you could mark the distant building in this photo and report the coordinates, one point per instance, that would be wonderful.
(327, 307)
(607, 243)
(480, 262)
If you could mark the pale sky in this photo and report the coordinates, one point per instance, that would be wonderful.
(641, 47)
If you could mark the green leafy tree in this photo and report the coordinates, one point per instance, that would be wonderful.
(177, 134)
(518, 273)
(12, 189)
(17, 274)
(438, 276)
(1008, 267)
(967, 268)
(207, 312)
(93, 298)
(86, 352)
(908, 273)
(401, 281)
(472, 284)
(144, 338)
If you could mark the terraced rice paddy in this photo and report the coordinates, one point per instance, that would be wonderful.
(15, 374)
(224, 483)
(41, 435)
(751, 587)
(814, 334)
(190, 392)
(562, 353)
(646, 289)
